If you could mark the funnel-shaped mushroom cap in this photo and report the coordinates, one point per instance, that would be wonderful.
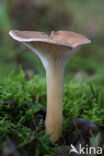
(56, 47)
(65, 38)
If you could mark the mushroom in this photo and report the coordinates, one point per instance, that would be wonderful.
(54, 51)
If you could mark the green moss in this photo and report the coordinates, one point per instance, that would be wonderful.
(81, 99)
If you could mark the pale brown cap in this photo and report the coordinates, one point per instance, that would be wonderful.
(65, 38)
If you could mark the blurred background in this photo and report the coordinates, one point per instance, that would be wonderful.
(81, 16)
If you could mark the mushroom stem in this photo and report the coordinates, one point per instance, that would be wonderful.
(54, 60)
(54, 102)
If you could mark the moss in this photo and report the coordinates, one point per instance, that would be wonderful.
(21, 99)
